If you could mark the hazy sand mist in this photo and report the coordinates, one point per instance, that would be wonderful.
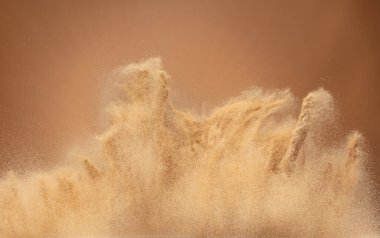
(250, 167)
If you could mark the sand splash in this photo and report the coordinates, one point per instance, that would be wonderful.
(247, 168)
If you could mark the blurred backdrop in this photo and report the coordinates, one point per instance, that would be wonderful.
(54, 56)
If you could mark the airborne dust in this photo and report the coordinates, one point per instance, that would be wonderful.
(264, 164)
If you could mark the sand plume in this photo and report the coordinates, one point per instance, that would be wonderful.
(247, 168)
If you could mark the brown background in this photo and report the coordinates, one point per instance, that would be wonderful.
(54, 56)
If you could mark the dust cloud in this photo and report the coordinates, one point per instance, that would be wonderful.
(250, 167)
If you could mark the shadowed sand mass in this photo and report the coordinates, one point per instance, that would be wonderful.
(247, 168)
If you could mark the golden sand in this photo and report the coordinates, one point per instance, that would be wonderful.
(249, 168)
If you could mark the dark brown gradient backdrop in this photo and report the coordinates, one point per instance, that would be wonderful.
(54, 55)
